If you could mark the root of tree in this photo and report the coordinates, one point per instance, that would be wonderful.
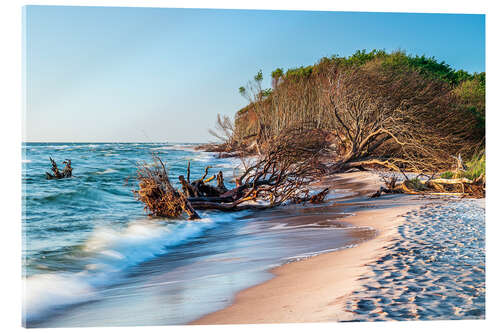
(276, 178)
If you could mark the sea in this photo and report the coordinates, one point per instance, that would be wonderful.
(92, 256)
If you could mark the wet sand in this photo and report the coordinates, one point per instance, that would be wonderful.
(319, 288)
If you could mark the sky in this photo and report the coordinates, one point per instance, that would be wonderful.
(110, 74)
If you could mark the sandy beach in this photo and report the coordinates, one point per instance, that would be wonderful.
(335, 286)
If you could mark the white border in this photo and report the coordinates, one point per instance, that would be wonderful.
(10, 203)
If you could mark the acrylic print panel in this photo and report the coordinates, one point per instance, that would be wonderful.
(252, 166)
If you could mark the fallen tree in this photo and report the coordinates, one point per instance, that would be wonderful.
(401, 120)
(279, 175)
(67, 172)
(462, 187)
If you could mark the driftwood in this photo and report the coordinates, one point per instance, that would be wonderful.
(67, 172)
(320, 197)
(462, 187)
(278, 176)
(158, 195)
(451, 181)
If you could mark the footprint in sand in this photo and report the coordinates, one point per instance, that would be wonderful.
(435, 269)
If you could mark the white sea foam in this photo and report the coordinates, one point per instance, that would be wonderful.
(26, 161)
(58, 147)
(338, 193)
(205, 157)
(283, 226)
(140, 241)
(109, 170)
(161, 148)
(183, 147)
(176, 147)
(112, 251)
(48, 291)
(229, 162)
(317, 253)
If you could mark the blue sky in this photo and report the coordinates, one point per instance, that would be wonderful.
(154, 74)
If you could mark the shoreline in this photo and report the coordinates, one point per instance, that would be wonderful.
(316, 289)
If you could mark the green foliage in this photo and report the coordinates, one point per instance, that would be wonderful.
(415, 184)
(472, 94)
(258, 77)
(299, 72)
(480, 77)
(277, 77)
(447, 175)
(462, 75)
(266, 92)
(476, 167)
(428, 66)
(397, 60)
(277, 73)
(360, 57)
(431, 67)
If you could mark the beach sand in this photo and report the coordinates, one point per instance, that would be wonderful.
(427, 261)
(434, 271)
(317, 289)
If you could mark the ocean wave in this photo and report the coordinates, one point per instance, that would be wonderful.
(69, 195)
(109, 253)
(49, 291)
(139, 241)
